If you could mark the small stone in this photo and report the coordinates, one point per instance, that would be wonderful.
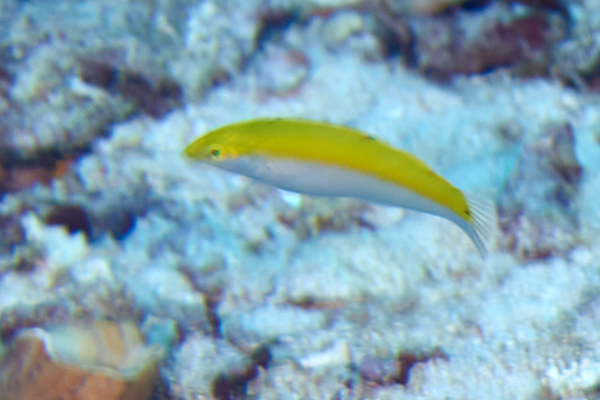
(417, 7)
(338, 354)
(341, 26)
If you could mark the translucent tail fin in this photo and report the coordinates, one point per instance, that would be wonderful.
(479, 228)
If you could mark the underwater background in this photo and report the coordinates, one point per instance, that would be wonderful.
(129, 271)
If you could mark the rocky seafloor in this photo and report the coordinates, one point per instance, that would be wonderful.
(128, 271)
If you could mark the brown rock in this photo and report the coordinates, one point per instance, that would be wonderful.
(33, 368)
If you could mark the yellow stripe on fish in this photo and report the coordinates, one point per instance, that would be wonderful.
(323, 159)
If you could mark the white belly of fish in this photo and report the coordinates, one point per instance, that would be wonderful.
(329, 180)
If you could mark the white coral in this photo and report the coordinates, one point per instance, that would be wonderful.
(579, 377)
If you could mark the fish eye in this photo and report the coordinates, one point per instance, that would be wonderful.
(215, 153)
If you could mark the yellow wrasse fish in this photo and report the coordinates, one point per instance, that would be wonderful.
(323, 159)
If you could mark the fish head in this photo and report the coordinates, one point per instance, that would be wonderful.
(214, 148)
